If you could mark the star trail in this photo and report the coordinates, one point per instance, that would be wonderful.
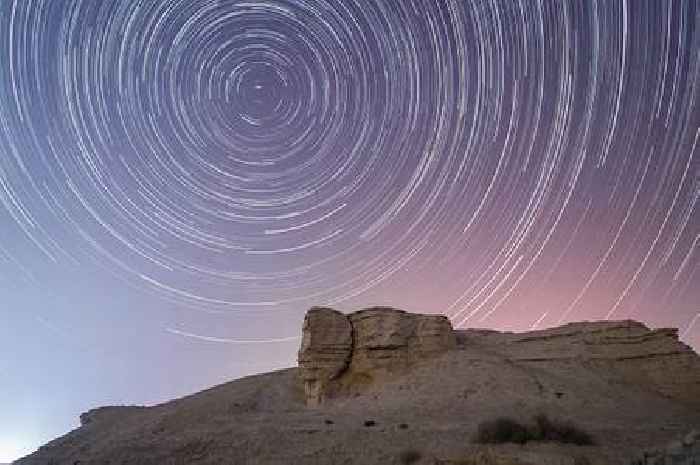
(219, 166)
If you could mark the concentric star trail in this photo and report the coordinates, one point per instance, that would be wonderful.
(517, 164)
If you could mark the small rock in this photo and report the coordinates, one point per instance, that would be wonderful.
(691, 438)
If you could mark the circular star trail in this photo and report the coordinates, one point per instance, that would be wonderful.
(516, 164)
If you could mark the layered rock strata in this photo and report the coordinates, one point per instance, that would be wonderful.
(326, 349)
(653, 358)
(341, 353)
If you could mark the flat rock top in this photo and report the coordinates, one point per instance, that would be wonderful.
(619, 381)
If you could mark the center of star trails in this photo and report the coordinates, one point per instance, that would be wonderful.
(260, 94)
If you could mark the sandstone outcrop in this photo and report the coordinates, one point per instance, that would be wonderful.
(343, 353)
(340, 354)
(655, 359)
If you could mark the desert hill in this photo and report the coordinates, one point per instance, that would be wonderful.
(382, 386)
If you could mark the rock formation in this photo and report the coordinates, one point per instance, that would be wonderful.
(341, 353)
(635, 354)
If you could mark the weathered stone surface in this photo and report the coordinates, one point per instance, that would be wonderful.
(389, 339)
(326, 347)
(343, 353)
(652, 358)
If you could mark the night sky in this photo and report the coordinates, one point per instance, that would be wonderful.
(180, 180)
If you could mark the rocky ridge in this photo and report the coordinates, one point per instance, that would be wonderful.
(342, 354)
(653, 358)
(382, 386)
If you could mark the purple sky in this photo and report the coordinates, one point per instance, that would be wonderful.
(181, 180)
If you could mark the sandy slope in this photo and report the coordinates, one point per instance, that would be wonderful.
(434, 409)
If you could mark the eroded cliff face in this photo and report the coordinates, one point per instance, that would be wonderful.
(653, 359)
(340, 354)
(326, 350)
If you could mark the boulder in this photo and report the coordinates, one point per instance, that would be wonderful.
(691, 438)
